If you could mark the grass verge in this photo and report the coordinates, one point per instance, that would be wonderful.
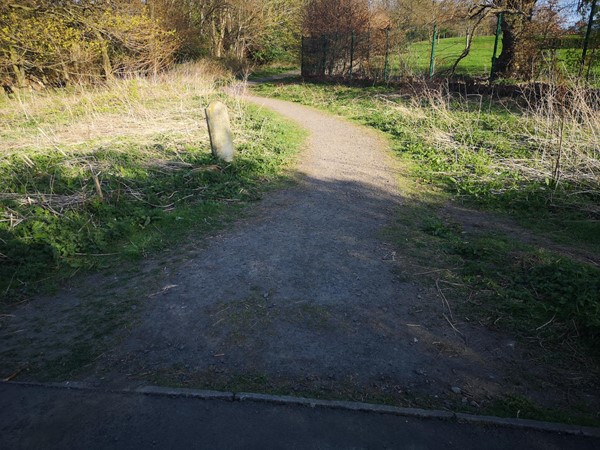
(271, 70)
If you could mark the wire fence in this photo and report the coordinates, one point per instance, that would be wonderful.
(388, 55)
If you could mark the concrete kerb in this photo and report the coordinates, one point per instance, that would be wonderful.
(185, 392)
(416, 413)
(523, 424)
(350, 406)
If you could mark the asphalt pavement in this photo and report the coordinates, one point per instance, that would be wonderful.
(76, 417)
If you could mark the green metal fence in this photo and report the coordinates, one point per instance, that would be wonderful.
(388, 55)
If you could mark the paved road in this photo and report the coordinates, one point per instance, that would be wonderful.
(37, 417)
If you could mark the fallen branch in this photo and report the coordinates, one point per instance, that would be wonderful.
(56, 200)
(13, 375)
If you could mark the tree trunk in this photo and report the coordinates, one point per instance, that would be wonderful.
(106, 64)
(513, 60)
(18, 70)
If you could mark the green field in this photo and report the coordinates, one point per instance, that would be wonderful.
(447, 51)
(478, 63)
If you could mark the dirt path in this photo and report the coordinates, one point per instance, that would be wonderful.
(304, 296)
(300, 289)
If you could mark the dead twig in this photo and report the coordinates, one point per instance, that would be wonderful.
(210, 168)
(97, 184)
(455, 329)
(95, 254)
(163, 290)
(547, 323)
(48, 200)
(445, 300)
(13, 375)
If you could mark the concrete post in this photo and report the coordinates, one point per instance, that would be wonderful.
(219, 130)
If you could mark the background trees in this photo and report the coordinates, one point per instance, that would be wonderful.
(62, 41)
(54, 42)
(516, 36)
(529, 27)
(323, 17)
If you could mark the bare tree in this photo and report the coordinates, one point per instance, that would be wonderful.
(323, 17)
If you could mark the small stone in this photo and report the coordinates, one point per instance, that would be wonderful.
(456, 389)
(464, 400)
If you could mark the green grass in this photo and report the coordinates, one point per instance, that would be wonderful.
(158, 182)
(271, 70)
(478, 63)
(533, 292)
(480, 154)
(522, 408)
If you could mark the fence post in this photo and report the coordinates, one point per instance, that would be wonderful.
(588, 32)
(432, 59)
(324, 58)
(387, 51)
(498, 31)
(302, 73)
(351, 53)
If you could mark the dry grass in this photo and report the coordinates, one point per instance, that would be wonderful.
(555, 136)
(565, 126)
(158, 118)
(140, 108)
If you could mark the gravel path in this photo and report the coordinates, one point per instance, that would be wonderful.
(277, 293)
(304, 294)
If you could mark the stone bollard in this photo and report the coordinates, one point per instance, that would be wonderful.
(219, 130)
